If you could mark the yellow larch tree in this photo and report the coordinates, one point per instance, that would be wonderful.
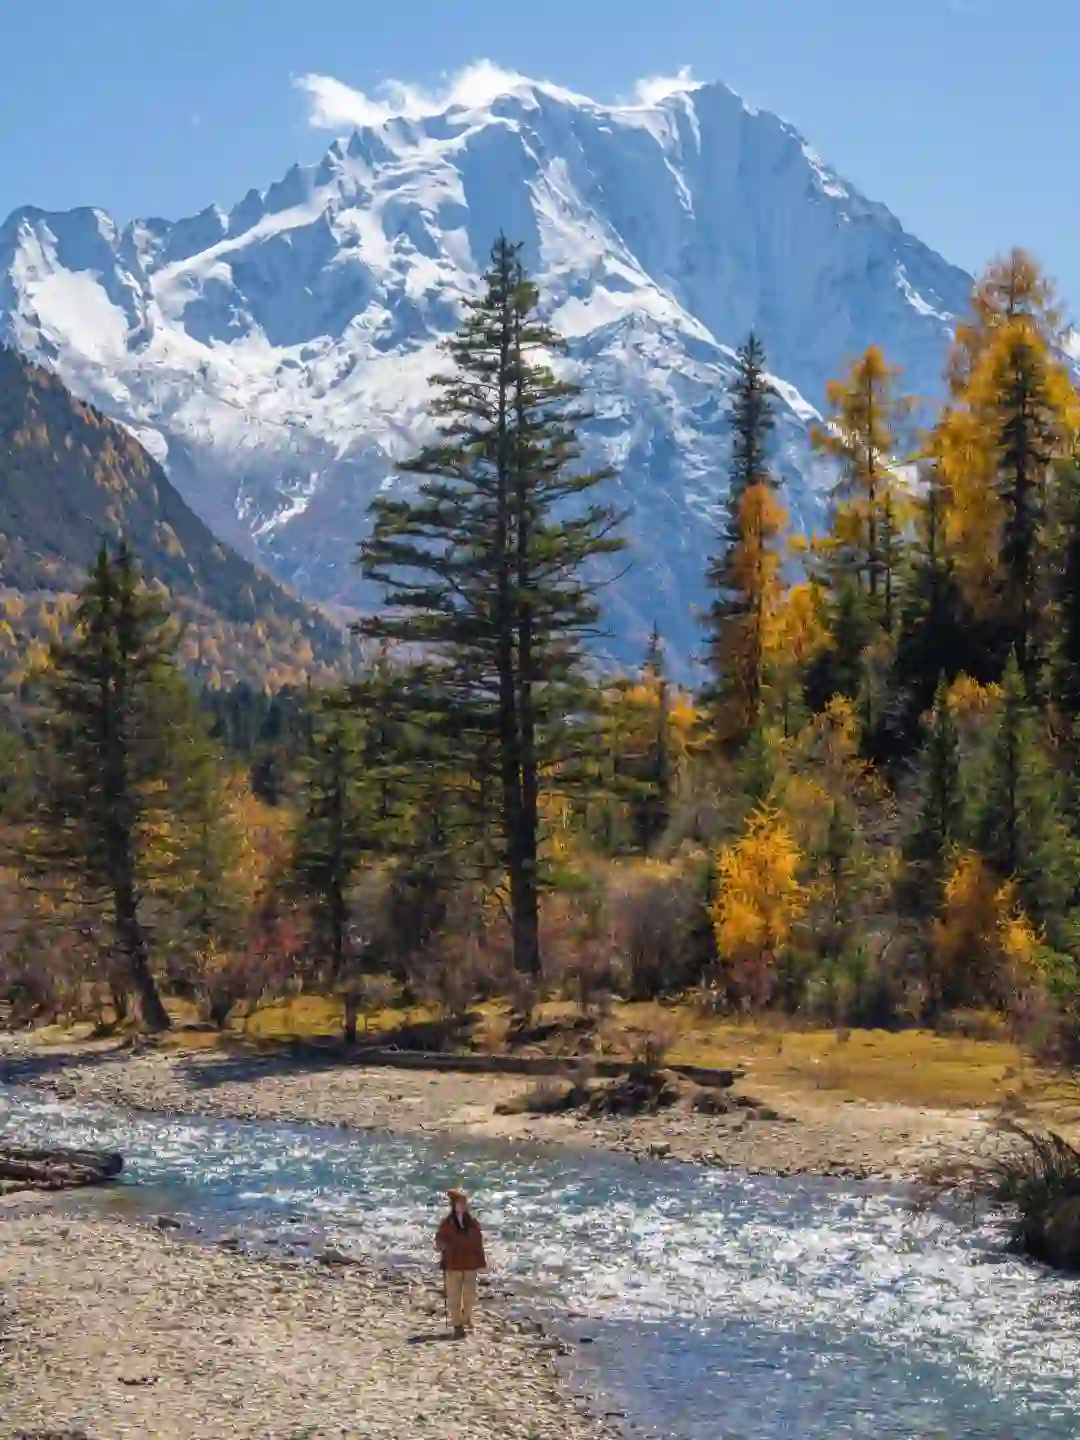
(1013, 416)
(983, 946)
(759, 901)
(863, 434)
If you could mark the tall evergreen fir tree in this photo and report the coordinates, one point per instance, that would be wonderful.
(744, 574)
(431, 788)
(1019, 814)
(938, 637)
(336, 831)
(120, 785)
(490, 567)
(939, 823)
(638, 738)
(654, 807)
(839, 668)
(1028, 441)
(206, 899)
(1065, 654)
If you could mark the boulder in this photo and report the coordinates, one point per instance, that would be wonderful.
(551, 1098)
(711, 1102)
(1056, 1241)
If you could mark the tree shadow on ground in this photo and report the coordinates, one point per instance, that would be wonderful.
(42, 1064)
(238, 1058)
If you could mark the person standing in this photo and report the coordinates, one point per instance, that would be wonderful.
(460, 1243)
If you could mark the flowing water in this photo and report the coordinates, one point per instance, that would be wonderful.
(717, 1305)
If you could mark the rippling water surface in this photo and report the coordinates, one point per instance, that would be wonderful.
(720, 1306)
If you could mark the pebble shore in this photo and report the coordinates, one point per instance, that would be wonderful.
(111, 1330)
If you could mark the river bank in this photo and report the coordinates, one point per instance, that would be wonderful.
(108, 1329)
(783, 1134)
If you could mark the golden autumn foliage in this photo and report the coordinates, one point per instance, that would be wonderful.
(1004, 377)
(863, 435)
(970, 701)
(823, 763)
(634, 709)
(798, 632)
(557, 829)
(1012, 286)
(983, 944)
(759, 900)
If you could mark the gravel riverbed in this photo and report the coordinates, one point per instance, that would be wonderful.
(110, 1330)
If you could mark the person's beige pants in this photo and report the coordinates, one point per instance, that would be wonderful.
(461, 1296)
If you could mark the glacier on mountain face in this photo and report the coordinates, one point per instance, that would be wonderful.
(276, 356)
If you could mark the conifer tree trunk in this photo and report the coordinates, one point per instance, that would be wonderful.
(132, 941)
(527, 958)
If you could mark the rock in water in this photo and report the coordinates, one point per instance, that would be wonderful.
(1056, 1239)
(56, 1169)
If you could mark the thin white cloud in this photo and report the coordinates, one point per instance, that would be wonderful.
(656, 88)
(335, 105)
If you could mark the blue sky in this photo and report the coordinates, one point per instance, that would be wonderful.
(962, 115)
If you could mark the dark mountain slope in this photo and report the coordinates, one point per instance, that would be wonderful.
(69, 478)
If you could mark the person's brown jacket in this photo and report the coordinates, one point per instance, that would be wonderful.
(461, 1246)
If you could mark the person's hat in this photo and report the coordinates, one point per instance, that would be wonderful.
(456, 1193)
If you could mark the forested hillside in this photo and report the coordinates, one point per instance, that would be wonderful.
(71, 478)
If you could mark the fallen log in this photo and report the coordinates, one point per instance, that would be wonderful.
(477, 1063)
(56, 1169)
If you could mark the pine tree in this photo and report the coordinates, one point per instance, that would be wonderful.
(651, 804)
(744, 575)
(120, 728)
(939, 636)
(1019, 817)
(1065, 659)
(838, 668)
(1028, 441)
(831, 922)
(489, 567)
(337, 830)
(930, 847)
(207, 899)
(431, 799)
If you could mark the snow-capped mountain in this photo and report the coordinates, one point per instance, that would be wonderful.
(275, 356)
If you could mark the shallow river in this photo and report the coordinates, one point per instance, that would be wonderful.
(720, 1307)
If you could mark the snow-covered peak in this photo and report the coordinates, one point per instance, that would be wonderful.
(275, 351)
